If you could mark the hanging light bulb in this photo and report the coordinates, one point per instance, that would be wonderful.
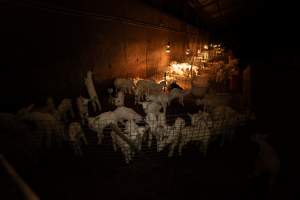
(205, 46)
(168, 48)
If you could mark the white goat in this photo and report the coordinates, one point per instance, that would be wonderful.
(125, 85)
(163, 128)
(200, 132)
(123, 113)
(134, 134)
(151, 107)
(151, 120)
(161, 120)
(88, 81)
(75, 135)
(154, 118)
(171, 136)
(201, 116)
(144, 87)
(101, 121)
(160, 98)
(119, 100)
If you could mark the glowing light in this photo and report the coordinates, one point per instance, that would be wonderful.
(168, 48)
(205, 46)
(181, 69)
(188, 51)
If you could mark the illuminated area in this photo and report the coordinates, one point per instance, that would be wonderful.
(203, 56)
(168, 48)
(180, 69)
(203, 62)
(182, 73)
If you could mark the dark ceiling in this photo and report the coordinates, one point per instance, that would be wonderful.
(214, 14)
(244, 25)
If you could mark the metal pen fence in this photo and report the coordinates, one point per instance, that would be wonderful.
(158, 138)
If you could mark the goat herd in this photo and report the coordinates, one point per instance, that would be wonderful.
(57, 124)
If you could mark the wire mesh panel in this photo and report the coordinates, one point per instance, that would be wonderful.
(132, 155)
(161, 136)
(167, 138)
